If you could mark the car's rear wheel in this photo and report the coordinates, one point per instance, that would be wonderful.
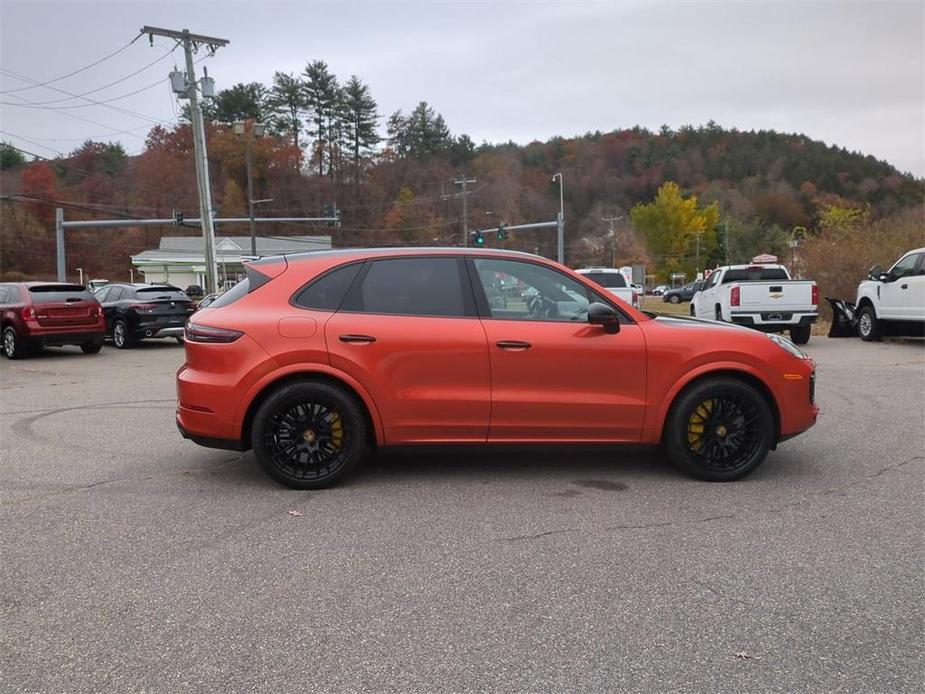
(674, 299)
(801, 334)
(719, 430)
(91, 347)
(121, 337)
(868, 325)
(309, 434)
(13, 347)
(693, 312)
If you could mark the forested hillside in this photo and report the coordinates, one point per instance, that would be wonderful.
(395, 186)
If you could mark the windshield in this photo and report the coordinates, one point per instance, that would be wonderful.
(753, 274)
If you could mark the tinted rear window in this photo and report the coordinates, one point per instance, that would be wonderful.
(755, 274)
(409, 286)
(238, 291)
(328, 291)
(607, 279)
(152, 293)
(49, 293)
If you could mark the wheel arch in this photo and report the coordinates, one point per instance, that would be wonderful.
(267, 387)
(738, 373)
(867, 301)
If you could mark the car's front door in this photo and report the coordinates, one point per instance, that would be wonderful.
(554, 377)
(409, 332)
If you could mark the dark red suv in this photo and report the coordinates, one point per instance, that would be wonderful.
(34, 314)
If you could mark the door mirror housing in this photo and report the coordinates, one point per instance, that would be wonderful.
(875, 273)
(605, 316)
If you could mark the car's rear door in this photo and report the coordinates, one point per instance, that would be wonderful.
(554, 377)
(408, 331)
(64, 306)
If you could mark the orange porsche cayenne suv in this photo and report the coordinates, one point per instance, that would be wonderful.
(316, 358)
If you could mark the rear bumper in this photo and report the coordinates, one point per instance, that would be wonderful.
(773, 322)
(208, 441)
(53, 338)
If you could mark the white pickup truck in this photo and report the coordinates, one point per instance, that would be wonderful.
(614, 282)
(761, 297)
(893, 302)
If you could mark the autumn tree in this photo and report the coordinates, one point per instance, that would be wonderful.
(672, 226)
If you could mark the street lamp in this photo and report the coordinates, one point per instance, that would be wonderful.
(81, 271)
(560, 222)
(257, 130)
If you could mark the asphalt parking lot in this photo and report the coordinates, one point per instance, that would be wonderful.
(134, 561)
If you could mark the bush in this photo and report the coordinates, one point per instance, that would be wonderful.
(839, 257)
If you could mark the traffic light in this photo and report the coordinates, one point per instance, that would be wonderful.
(502, 234)
(476, 238)
(178, 218)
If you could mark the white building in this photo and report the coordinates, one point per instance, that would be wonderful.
(180, 260)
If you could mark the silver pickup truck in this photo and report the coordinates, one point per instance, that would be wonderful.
(761, 297)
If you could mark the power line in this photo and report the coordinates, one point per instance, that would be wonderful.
(40, 105)
(75, 72)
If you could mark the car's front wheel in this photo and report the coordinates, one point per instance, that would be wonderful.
(674, 299)
(719, 430)
(309, 434)
(868, 325)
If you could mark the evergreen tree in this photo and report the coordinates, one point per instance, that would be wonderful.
(10, 156)
(321, 91)
(287, 103)
(360, 117)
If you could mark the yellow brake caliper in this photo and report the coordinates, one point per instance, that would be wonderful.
(695, 424)
(337, 431)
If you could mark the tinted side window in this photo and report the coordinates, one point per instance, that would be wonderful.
(526, 291)
(238, 291)
(409, 286)
(101, 294)
(5, 295)
(115, 294)
(906, 266)
(327, 292)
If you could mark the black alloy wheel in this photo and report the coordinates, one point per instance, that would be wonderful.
(719, 430)
(309, 434)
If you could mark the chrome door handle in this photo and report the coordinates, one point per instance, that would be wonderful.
(905, 286)
(513, 345)
(357, 339)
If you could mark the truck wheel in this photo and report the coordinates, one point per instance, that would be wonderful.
(800, 334)
(719, 314)
(693, 312)
(868, 325)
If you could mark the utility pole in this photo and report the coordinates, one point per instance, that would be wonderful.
(190, 43)
(613, 238)
(560, 229)
(59, 240)
(464, 182)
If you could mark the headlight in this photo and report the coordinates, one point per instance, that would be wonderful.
(787, 345)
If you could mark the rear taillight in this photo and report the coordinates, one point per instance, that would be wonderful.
(815, 295)
(143, 307)
(94, 312)
(27, 313)
(734, 296)
(196, 332)
(635, 300)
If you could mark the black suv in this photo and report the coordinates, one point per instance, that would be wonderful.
(137, 311)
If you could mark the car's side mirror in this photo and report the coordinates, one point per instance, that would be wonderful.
(875, 273)
(605, 316)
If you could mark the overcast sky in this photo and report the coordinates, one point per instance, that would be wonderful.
(848, 74)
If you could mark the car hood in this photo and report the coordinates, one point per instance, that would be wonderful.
(686, 321)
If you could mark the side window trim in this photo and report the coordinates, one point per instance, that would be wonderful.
(484, 310)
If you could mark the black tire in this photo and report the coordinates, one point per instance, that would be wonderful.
(13, 346)
(693, 312)
(801, 334)
(674, 299)
(121, 337)
(721, 441)
(179, 339)
(307, 448)
(91, 347)
(869, 327)
(718, 314)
